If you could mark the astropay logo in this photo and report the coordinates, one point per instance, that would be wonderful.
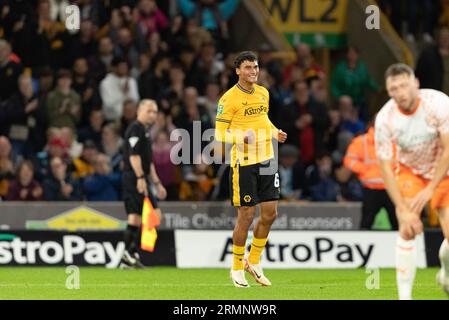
(13, 250)
(321, 250)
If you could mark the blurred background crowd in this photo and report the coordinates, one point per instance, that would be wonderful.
(66, 98)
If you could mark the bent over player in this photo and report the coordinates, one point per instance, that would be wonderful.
(417, 122)
(242, 120)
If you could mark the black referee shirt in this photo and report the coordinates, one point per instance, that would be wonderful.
(138, 142)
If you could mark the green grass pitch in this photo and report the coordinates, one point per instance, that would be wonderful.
(168, 283)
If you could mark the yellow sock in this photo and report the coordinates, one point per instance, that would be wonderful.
(238, 254)
(256, 250)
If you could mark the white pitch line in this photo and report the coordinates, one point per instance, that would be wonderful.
(118, 285)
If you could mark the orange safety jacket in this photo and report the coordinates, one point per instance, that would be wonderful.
(361, 159)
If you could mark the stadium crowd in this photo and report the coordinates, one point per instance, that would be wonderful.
(66, 99)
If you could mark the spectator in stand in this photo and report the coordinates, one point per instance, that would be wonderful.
(351, 78)
(6, 166)
(209, 66)
(304, 121)
(90, 9)
(163, 122)
(103, 184)
(63, 103)
(305, 64)
(349, 116)
(84, 165)
(10, 69)
(45, 83)
(87, 89)
(155, 45)
(211, 97)
(126, 49)
(421, 18)
(191, 112)
(189, 64)
(23, 119)
(154, 81)
(349, 187)
(59, 186)
(113, 25)
(69, 138)
(432, 68)
(83, 44)
(151, 18)
(24, 187)
(162, 147)
(112, 145)
(195, 36)
(173, 94)
(14, 14)
(100, 63)
(198, 181)
(211, 15)
(55, 38)
(129, 115)
(116, 88)
(93, 130)
(56, 147)
(330, 139)
(291, 173)
(320, 184)
(266, 61)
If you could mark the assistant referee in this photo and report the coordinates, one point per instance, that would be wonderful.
(138, 171)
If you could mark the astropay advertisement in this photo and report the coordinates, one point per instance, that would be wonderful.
(293, 249)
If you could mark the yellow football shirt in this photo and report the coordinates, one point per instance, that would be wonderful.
(240, 110)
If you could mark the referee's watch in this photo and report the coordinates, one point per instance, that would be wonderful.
(141, 177)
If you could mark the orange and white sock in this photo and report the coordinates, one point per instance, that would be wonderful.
(444, 257)
(405, 267)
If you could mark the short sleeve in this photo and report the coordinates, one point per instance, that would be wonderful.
(225, 110)
(134, 140)
(383, 137)
(442, 114)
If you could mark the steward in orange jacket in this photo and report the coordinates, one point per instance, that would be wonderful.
(361, 159)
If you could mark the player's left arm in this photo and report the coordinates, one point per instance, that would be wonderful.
(420, 200)
(442, 166)
(161, 192)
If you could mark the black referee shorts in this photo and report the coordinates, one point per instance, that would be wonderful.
(249, 186)
(133, 199)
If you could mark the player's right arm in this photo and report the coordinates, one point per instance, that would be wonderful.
(225, 114)
(409, 222)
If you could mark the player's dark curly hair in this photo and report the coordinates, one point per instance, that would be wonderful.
(244, 56)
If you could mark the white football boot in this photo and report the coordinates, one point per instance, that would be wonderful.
(238, 278)
(256, 271)
(443, 281)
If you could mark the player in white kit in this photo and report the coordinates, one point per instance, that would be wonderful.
(415, 122)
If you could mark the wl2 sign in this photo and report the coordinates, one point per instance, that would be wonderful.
(320, 23)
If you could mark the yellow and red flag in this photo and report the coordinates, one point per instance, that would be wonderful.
(150, 221)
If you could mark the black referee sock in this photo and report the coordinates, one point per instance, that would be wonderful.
(137, 237)
(129, 238)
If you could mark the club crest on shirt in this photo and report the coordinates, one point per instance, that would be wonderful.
(220, 109)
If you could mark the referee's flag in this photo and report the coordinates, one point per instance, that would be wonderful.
(150, 221)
